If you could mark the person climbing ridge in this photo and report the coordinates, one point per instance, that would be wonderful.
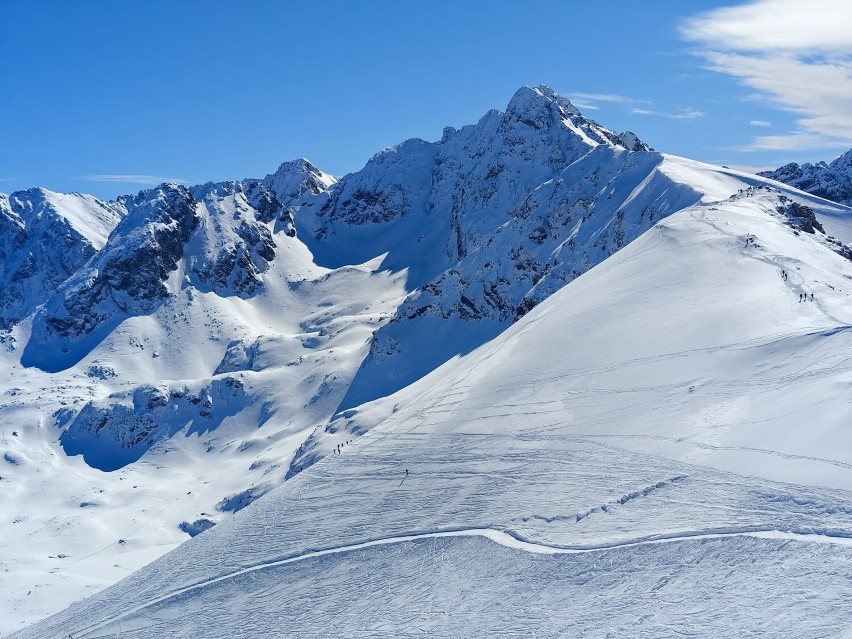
(812, 297)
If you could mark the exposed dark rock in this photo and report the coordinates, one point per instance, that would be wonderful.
(197, 527)
(831, 181)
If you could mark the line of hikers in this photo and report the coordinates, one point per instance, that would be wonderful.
(339, 447)
(803, 297)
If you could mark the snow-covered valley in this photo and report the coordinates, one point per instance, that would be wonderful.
(603, 392)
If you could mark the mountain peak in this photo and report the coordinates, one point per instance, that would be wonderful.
(296, 178)
(528, 100)
(542, 108)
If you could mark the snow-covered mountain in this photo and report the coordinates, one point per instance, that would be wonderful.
(482, 243)
(45, 238)
(226, 341)
(628, 459)
(833, 181)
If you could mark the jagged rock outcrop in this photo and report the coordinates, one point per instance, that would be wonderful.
(238, 243)
(45, 238)
(127, 277)
(114, 434)
(223, 234)
(440, 201)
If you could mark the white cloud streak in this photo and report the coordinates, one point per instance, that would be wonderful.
(798, 55)
(633, 105)
(606, 97)
(585, 107)
(776, 26)
(132, 178)
(685, 114)
(762, 123)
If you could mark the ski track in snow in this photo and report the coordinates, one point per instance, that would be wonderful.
(505, 538)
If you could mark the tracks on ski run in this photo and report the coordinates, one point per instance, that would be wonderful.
(503, 537)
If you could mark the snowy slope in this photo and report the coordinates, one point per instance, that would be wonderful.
(226, 335)
(451, 213)
(833, 181)
(167, 382)
(660, 447)
(645, 188)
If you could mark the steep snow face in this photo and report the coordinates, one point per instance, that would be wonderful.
(569, 223)
(639, 433)
(46, 237)
(832, 181)
(235, 244)
(427, 205)
(455, 216)
(563, 227)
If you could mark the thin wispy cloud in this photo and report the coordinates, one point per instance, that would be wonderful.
(762, 123)
(796, 141)
(613, 98)
(635, 106)
(797, 55)
(132, 178)
(685, 114)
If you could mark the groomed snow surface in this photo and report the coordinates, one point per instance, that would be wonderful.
(659, 449)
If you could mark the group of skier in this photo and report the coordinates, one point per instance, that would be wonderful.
(339, 447)
(337, 451)
(803, 297)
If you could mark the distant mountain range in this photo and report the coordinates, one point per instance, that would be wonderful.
(833, 181)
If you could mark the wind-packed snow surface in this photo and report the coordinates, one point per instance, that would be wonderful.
(583, 449)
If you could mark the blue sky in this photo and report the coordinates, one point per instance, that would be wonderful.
(107, 97)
